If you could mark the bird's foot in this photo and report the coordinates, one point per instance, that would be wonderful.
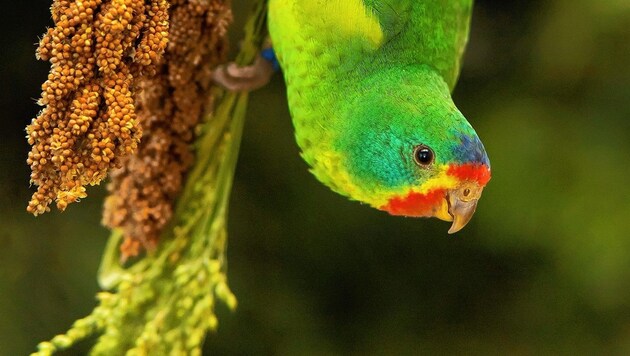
(236, 78)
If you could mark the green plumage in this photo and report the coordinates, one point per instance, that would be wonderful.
(424, 32)
(369, 80)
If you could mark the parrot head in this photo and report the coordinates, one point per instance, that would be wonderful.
(409, 151)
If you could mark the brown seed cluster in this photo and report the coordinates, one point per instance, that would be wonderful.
(89, 122)
(169, 106)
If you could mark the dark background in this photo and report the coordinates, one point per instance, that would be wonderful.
(543, 268)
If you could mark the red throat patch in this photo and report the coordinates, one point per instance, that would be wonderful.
(415, 204)
(424, 205)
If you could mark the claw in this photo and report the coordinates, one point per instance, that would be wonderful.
(235, 71)
(235, 78)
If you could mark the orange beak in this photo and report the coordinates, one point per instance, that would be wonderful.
(459, 205)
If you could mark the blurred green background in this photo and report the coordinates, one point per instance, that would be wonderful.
(543, 268)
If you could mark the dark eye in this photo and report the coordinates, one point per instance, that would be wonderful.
(423, 155)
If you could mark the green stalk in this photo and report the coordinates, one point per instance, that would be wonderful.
(164, 303)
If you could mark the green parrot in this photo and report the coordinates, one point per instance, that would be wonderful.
(369, 84)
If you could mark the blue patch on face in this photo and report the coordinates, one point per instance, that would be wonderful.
(471, 150)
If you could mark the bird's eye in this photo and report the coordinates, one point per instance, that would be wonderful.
(423, 155)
